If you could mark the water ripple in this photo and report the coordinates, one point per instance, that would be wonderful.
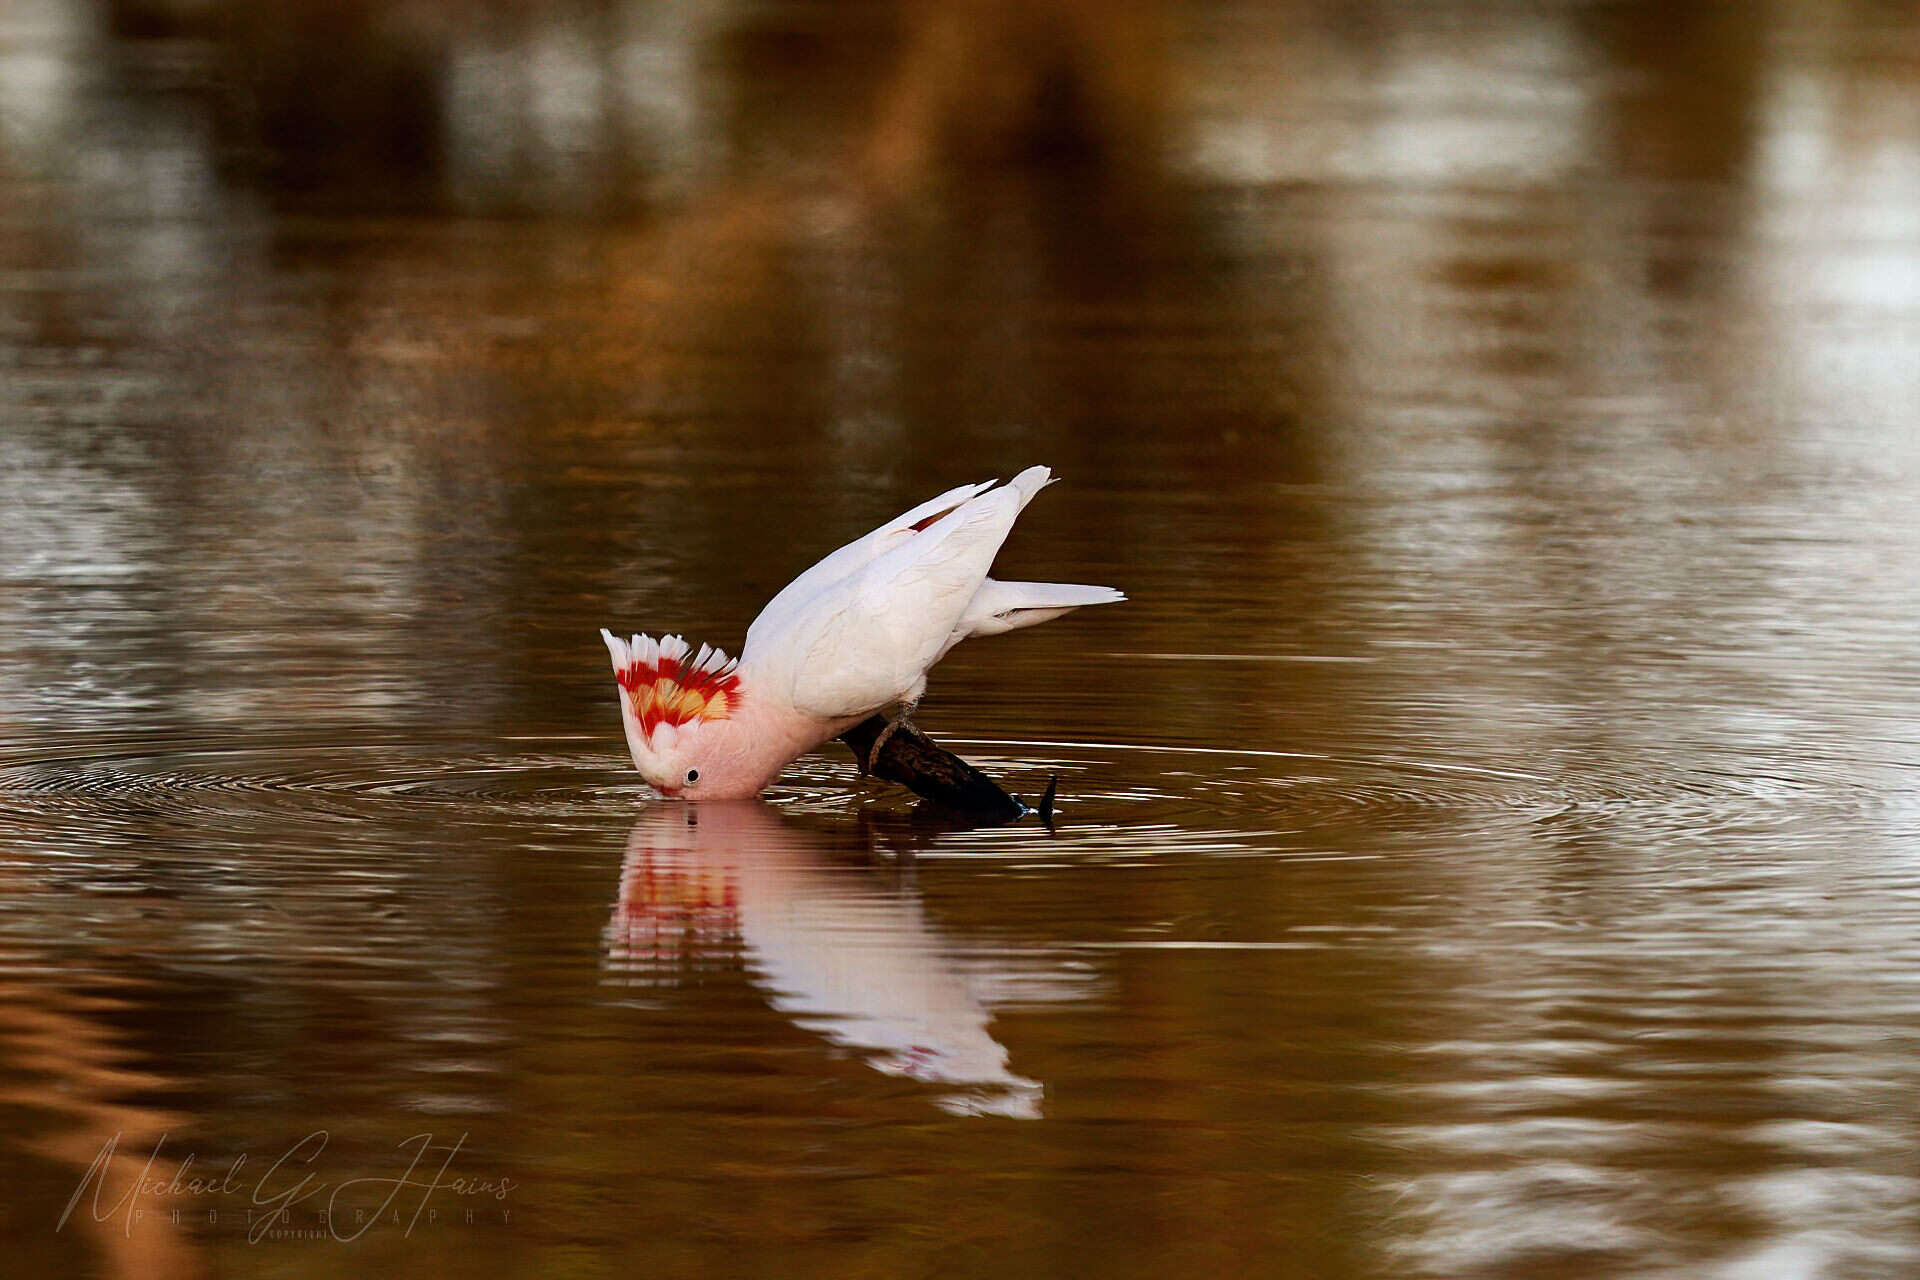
(1118, 799)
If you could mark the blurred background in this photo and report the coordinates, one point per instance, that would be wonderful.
(1490, 826)
(402, 297)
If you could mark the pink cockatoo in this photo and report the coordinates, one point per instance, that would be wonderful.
(854, 635)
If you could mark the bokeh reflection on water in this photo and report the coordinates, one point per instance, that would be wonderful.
(1489, 832)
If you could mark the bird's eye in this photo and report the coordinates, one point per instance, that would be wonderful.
(693, 775)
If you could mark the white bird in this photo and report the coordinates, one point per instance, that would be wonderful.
(853, 635)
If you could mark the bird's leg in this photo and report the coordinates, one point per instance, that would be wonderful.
(900, 715)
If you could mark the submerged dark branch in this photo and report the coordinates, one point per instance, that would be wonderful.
(916, 762)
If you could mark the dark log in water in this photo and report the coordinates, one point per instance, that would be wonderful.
(917, 763)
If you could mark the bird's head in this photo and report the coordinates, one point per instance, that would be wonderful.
(678, 707)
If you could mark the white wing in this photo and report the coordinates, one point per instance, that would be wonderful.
(866, 641)
(778, 615)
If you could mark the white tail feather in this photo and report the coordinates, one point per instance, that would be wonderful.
(999, 607)
(1007, 606)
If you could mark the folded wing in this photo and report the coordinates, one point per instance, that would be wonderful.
(866, 641)
(780, 612)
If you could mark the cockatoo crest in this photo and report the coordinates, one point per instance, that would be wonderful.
(668, 690)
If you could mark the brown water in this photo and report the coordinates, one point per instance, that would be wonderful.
(1490, 834)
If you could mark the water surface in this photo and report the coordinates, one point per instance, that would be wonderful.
(1489, 832)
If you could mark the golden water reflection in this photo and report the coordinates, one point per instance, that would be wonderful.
(1489, 828)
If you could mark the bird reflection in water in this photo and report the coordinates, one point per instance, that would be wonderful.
(844, 952)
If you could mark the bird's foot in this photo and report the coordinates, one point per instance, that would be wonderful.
(880, 740)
